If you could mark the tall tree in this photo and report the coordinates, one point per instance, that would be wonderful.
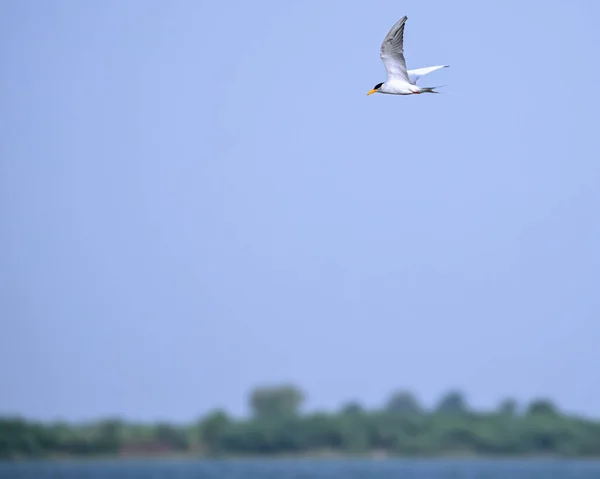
(508, 408)
(276, 402)
(352, 408)
(452, 403)
(403, 402)
(542, 407)
(212, 428)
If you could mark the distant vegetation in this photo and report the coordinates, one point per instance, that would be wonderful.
(276, 427)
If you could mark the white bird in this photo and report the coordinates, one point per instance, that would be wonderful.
(400, 81)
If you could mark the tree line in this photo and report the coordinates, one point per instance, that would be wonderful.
(277, 426)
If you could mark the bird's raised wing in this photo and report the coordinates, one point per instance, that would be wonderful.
(417, 73)
(392, 52)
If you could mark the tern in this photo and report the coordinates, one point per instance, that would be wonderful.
(400, 81)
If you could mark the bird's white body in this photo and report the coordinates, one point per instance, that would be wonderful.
(399, 86)
(400, 81)
(395, 87)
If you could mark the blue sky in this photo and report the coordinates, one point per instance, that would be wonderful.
(199, 197)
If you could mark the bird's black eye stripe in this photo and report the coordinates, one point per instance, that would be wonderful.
(378, 86)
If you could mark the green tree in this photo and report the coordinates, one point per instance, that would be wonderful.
(108, 436)
(354, 433)
(171, 436)
(508, 408)
(275, 402)
(351, 408)
(452, 403)
(403, 402)
(213, 429)
(542, 407)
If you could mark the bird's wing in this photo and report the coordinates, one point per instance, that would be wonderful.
(392, 52)
(417, 73)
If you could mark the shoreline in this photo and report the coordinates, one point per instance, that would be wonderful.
(301, 458)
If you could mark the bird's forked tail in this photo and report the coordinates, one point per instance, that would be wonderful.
(430, 89)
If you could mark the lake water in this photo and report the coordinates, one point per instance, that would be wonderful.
(304, 469)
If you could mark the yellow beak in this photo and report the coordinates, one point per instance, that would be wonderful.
(371, 92)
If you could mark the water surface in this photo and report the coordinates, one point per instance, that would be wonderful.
(304, 469)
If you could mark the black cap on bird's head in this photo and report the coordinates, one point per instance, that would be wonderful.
(375, 88)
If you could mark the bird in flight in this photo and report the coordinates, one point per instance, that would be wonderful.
(400, 81)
